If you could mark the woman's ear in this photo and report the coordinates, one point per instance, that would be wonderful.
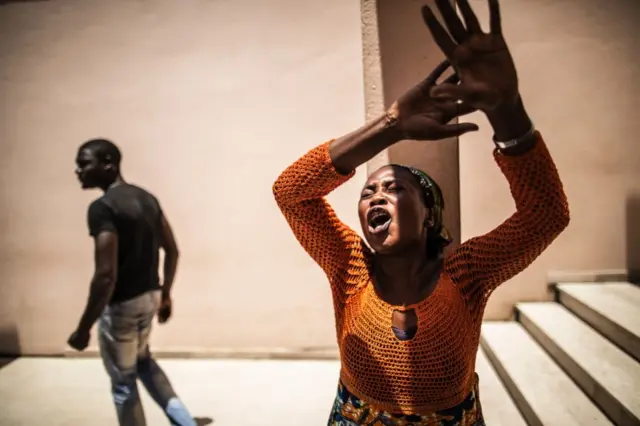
(428, 222)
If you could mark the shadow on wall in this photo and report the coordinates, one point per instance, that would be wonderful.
(633, 237)
(9, 345)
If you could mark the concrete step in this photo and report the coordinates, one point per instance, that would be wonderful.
(594, 276)
(498, 408)
(613, 309)
(609, 376)
(543, 392)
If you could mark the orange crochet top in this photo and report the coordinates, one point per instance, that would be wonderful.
(435, 369)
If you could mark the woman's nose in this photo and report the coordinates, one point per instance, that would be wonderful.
(378, 199)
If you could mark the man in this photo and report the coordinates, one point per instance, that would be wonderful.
(128, 227)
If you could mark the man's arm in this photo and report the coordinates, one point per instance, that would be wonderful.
(171, 255)
(104, 279)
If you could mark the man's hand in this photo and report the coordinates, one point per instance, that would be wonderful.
(164, 312)
(79, 340)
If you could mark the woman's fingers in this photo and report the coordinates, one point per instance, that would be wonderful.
(452, 20)
(437, 72)
(464, 109)
(424, 128)
(470, 19)
(456, 129)
(452, 92)
(494, 17)
(452, 79)
(481, 96)
(440, 35)
(432, 79)
(452, 109)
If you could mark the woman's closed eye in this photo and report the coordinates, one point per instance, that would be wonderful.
(391, 189)
(366, 194)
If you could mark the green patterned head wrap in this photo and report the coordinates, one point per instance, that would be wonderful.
(438, 237)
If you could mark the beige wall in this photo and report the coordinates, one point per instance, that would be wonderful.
(209, 101)
(580, 71)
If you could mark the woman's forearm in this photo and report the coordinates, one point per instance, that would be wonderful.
(356, 148)
(510, 122)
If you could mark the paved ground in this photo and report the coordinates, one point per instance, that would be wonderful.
(75, 392)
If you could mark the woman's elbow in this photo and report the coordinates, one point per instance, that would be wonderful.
(566, 218)
(551, 223)
(275, 189)
(561, 217)
(282, 192)
(278, 194)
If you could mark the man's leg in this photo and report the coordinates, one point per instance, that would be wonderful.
(118, 339)
(153, 377)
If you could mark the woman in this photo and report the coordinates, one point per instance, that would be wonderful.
(407, 317)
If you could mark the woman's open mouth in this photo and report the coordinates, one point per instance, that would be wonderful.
(379, 220)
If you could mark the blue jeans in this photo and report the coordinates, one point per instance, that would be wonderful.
(124, 330)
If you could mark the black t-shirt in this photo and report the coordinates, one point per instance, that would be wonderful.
(135, 215)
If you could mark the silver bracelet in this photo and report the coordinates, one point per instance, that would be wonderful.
(516, 141)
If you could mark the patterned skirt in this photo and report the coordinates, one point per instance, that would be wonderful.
(349, 410)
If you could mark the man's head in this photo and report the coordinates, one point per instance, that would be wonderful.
(401, 206)
(98, 163)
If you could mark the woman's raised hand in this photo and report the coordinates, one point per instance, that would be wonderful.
(417, 115)
(488, 78)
